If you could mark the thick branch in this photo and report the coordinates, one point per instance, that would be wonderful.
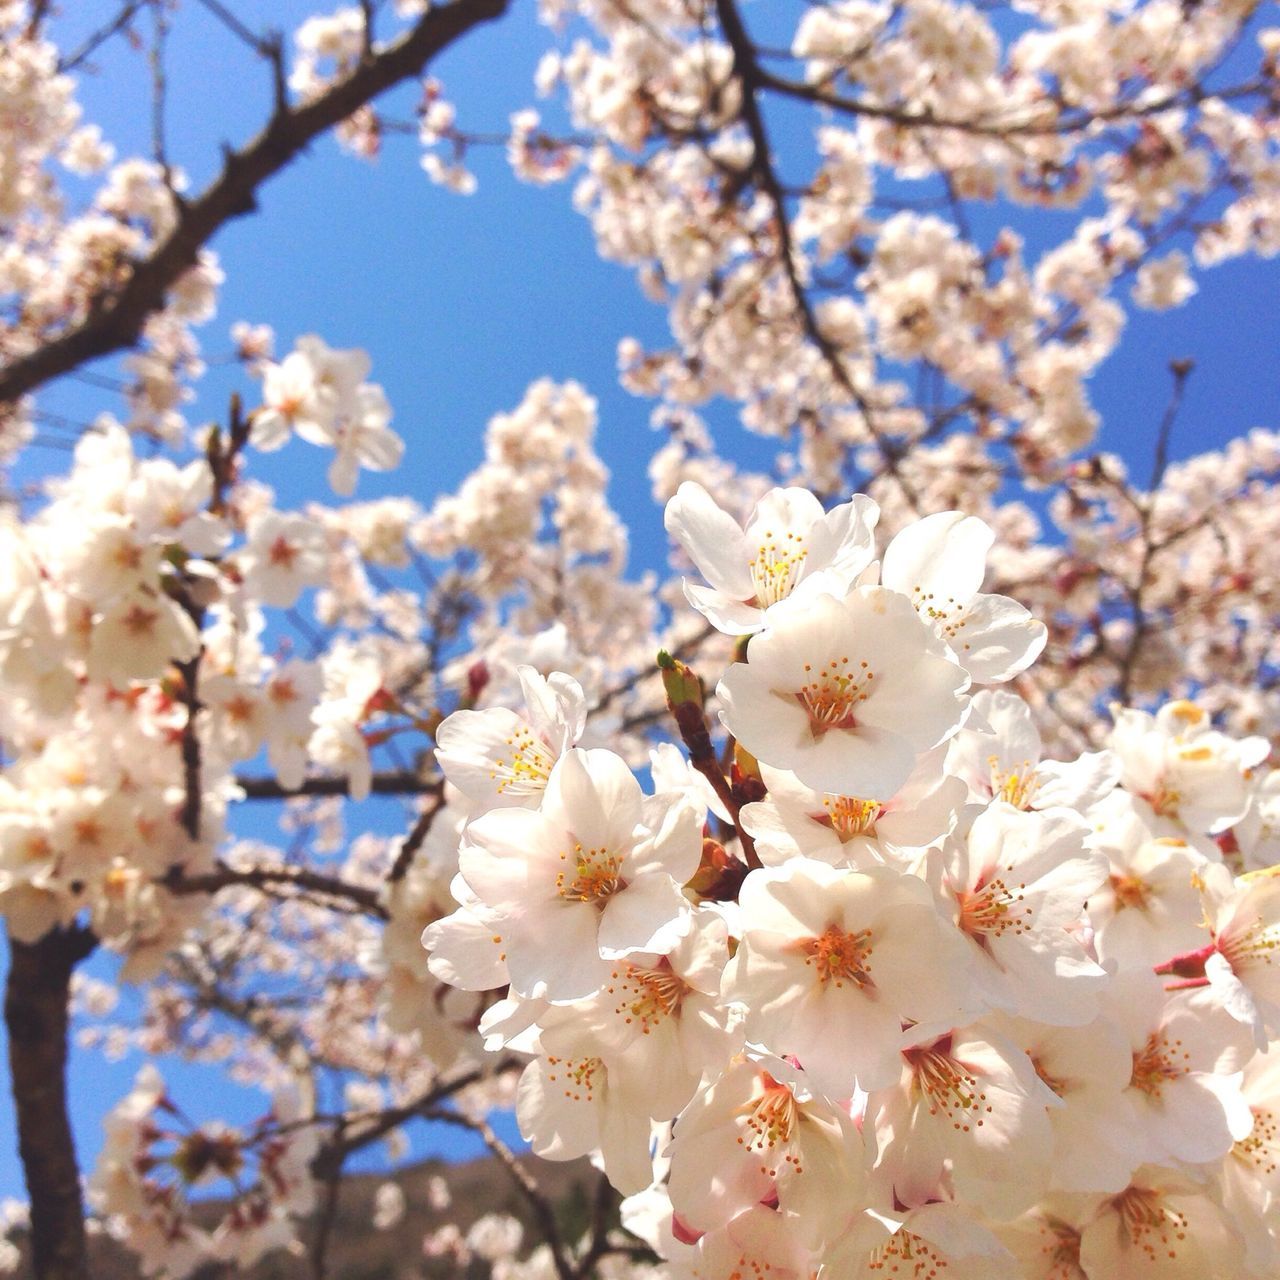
(395, 782)
(35, 1013)
(116, 317)
(265, 878)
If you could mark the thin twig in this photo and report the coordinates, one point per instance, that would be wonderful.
(116, 315)
(524, 1182)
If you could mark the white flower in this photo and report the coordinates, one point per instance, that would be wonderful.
(1003, 760)
(847, 694)
(832, 963)
(939, 563)
(760, 1131)
(797, 821)
(1018, 883)
(285, 554)
(363, 439)
(591, 877)
(138, 637)
(497, 758)
(789, 551)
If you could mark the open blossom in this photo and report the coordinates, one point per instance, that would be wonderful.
(598, 868)
(1242, 962)
(1184, 1088)
(968, 1103)
(138, 636)
(1017, 884)
(364, 439)
(766, 1134)
(797, 821)
(1149, 908)
(1004, 760)
(759, 1242)
(847, 694)
(568, 1106)
(657, 1022)
(939, 564)
(1192, 777)
(938, 1238)
(306, 392)
(1162, 1226)
(1088, 1068)
(789, 550)
(497, 757)
(284, 555)
(833, 963)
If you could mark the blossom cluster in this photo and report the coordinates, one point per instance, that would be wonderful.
(153, 1154)
(895, 991)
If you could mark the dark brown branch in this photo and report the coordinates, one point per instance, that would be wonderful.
(417, 834)
(395, 782)
(525, 1184)
(1065, 125)
(1180, 370)
(604, 1213)
(685, 703)
(100, 36)
(752, 77)
(357, 1134)
(116, 318)
(35, 1013)
(302, 879)
(319, 1257)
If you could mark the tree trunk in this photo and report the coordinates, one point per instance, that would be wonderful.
(36, 1012)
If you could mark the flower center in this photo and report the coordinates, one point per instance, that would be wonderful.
(528, 769)
(771, 1119)
(1157, 1064)
(840, 957)
(1164, 800)
(576, 1076)
(776, 567)
(1054, 1083)
(1150, 1224)
(906, 1254)
(1130, 891)
(991, 909)
(1255, 945)
(596, 875)
(1016, 787)
(647, 996)
(849, 817)
(1061, 1251)
(946, 615)
(947, 1087)
(832, 694)
(1262, 1147)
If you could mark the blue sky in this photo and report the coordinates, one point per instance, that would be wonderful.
(462, 302)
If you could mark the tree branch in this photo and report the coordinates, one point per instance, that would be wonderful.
(395, 782)
(753, 78)
(116, 318)
(36, 1013)
(266, 878)
(524, 1182)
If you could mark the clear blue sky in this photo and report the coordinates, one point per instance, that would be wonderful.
(462, 302)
